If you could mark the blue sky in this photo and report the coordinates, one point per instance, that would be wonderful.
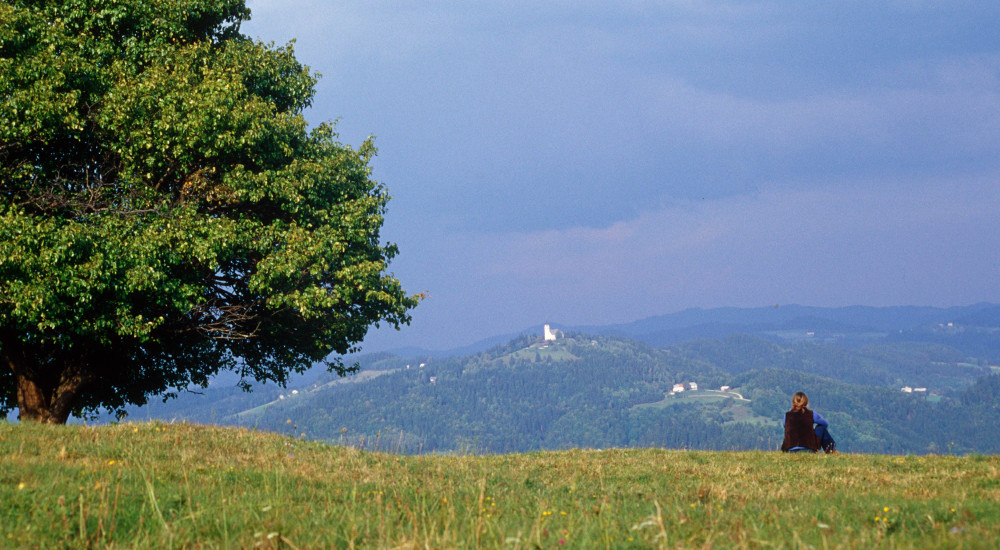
(580, 162)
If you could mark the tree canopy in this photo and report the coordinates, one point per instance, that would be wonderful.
(167, 213)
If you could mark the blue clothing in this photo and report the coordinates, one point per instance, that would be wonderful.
(825, 440)
(817, 419)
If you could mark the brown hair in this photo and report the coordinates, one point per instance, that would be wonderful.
(799, 402)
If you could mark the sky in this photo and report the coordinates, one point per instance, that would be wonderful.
(586, 163)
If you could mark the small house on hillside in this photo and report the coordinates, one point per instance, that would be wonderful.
(678, 388)
(694, 386)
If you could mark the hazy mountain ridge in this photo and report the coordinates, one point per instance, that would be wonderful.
(851, 325)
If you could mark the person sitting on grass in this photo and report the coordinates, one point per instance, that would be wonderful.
(799, 432)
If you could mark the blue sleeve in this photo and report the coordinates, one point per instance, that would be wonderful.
(820, 420)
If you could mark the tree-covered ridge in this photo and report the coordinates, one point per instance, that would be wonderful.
(599, 392)
(166, 213)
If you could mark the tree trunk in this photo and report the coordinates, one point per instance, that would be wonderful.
(31, 402)
(48, 403)
(43, 395)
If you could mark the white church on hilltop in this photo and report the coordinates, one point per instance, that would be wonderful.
(552, 334)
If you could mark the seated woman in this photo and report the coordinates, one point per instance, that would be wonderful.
(799, 432)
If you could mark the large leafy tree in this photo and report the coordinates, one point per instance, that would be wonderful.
(166, 213)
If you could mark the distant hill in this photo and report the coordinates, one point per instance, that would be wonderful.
(846, 326)
(861, 317)
(599, 391)
(856, 325)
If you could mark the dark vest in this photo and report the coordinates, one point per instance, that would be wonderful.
(799, 431)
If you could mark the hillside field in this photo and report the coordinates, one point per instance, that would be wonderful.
(156, 485)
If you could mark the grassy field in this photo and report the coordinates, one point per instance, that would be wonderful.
(178, 486)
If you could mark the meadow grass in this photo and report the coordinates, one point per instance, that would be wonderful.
(155, 485)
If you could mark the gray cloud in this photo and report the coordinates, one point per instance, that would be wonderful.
(596, 162)
(933, 242)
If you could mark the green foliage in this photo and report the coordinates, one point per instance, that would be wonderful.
(181, 486)
(165, 213)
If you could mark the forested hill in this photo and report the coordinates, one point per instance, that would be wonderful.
(602, 391)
